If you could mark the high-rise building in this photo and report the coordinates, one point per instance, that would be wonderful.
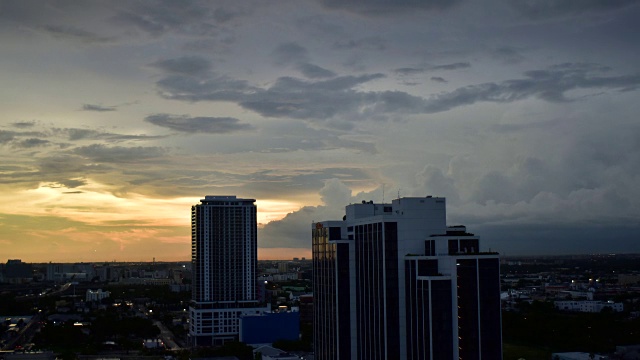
(393, 281)
(224, 264)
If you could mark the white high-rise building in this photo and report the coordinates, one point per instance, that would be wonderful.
(393, 281)
(224, 259)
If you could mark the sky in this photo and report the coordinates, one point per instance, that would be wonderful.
(117, 116)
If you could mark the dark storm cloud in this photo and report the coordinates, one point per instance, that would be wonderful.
(186, 65)
(73, 183)
(300, 99)
(369, 43)
(409, 71)
(384, 7)
(74, 33)
(217, 88)
(201, 124)
(74, 134)
(312, 71)
(157, 18)
(551, 239)
(98, 108)
(6, 136)
(286, 97)
(9, 137)
(453, 66)
(31, 143)
(296, 98)
(290, 53)
(223, 15)
(23, 124)
(438, 79)
(119, 154)
(550, 84)
(511, 128)
(537, 9)
(68, 183)
(64, 166)
(508, 55)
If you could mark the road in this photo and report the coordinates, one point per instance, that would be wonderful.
(167, 336)
(25, 334)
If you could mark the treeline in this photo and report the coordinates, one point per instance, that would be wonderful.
(540, 325)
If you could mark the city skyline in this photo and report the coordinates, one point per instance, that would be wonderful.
(118, 116)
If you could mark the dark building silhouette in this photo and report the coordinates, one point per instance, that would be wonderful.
(15, 271)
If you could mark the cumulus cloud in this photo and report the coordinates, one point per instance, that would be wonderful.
(200, 124)
(98, 108)
(334, 193)
(294, 229)
(431, 180)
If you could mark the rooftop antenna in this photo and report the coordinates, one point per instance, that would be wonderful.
(398, 194)
(383, 193)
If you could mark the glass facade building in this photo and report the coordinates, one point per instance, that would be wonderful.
(224, 260)
(393, 281)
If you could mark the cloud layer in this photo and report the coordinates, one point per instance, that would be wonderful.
(117, 117)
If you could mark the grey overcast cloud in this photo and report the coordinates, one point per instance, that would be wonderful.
(119, 115)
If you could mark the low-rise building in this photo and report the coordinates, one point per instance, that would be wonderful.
(270, 327)
(577, 356)
(588, 306)
(96, 295)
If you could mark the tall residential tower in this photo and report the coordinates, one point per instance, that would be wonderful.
(224, 259)
(393, 281)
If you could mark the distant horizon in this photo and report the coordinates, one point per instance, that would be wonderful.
(310, 258)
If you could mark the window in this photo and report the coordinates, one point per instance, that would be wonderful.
(453, 246)
(430, 247)
(469, 246)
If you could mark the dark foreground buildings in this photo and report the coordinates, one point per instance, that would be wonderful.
(392, 281)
